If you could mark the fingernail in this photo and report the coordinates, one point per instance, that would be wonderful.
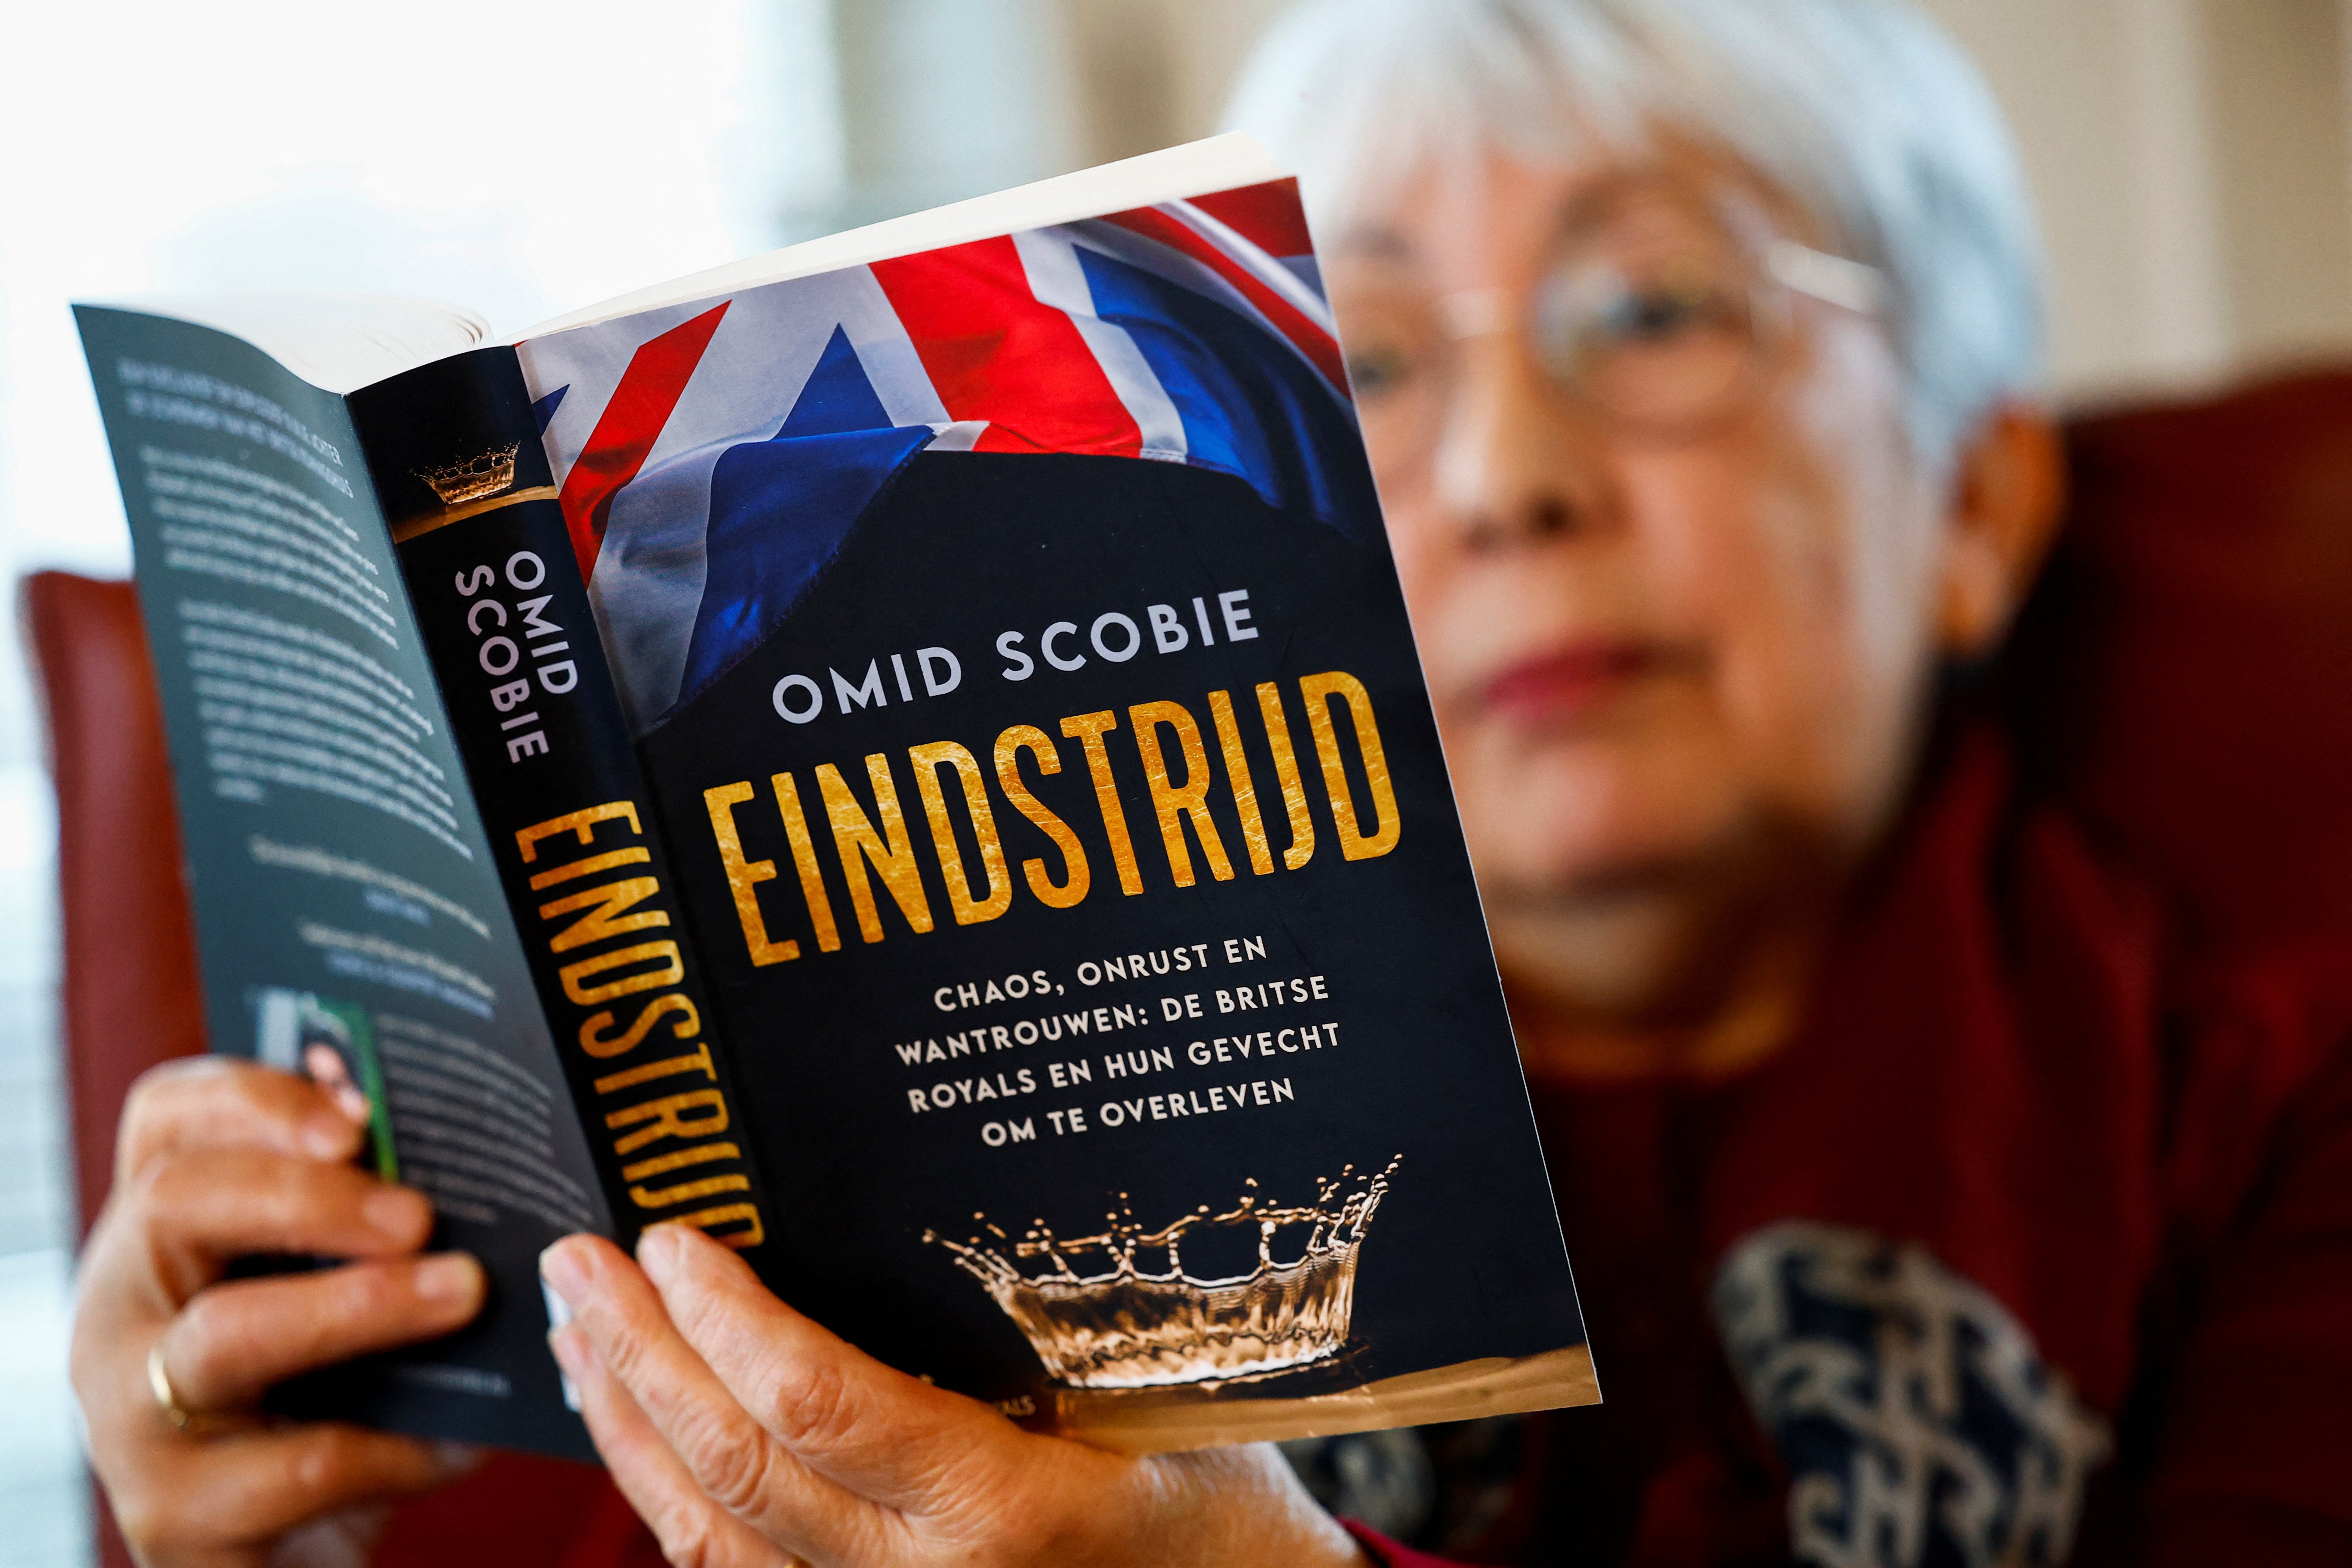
(660, 1251)
(392, 1210)
(565, 1271)
(449, 1276)
(570, 1346)
(327, 1137)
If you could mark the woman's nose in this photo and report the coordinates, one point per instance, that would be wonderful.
(1515, 467)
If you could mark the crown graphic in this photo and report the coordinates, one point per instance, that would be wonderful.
(472, 479)
(1144, 1322)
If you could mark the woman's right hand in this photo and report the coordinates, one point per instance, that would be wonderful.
(217, 1160)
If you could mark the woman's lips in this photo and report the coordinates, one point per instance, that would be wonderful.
(1577, 681)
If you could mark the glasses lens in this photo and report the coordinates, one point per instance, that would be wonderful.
(1659, 337)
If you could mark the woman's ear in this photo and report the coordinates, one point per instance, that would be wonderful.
(2008, 485)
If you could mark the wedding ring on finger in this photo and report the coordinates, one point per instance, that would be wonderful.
(194, 1423)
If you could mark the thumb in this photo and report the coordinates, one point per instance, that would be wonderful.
(866, 1427)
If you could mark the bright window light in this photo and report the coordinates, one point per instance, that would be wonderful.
(517, 159)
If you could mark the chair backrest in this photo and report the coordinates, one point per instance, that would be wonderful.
(130, 989)
(131, 992)
(2188, 650)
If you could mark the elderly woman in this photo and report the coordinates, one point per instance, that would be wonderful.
(1929, 1206)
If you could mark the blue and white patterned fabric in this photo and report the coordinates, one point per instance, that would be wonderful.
(1916, 1416)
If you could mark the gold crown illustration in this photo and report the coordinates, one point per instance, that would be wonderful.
(1131, 1325)
(472, 479)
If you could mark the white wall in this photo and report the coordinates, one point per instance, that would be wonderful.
(2189, 158)
(2192, 160)
(2284, 159)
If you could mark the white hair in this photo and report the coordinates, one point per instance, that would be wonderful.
(1863, 111)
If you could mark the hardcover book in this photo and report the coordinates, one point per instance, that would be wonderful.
(907, 754)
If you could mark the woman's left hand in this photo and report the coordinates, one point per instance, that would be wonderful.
(747, 1435)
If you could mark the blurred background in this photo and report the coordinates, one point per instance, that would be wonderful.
(2192, 160)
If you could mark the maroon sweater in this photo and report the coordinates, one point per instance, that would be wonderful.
(2029, 1242)
(2038, 1237)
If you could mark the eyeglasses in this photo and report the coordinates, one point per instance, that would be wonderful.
(1657, 318)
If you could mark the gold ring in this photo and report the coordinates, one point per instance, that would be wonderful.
(194, 1421)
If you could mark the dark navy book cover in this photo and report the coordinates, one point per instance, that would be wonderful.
(1021, 680)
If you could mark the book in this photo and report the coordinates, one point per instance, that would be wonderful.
(905, 753)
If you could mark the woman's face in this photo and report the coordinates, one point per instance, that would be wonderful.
(1671, 561)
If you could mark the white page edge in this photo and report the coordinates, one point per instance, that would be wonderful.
(1195, 168)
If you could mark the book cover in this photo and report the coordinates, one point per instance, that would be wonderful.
(919, 769)
(1012, 647)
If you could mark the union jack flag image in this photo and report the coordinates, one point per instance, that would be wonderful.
(712, 458)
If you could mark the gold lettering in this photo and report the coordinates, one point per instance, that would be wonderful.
(1173, 804)
(574, 975)
(1318, 690)
(1009, 746)
(647, 1198)
(1285, 772)
(707, 1219)
(581, 823)
(891, 851)
(571, 870)
(604, 904)
(744, 877)
(670, 1120)
(689, 1117)
(1237, 776)
(1087, 730)
(702, 1155)
(700, 1061)
(797, 833)
(927, 760)
(597, 1044)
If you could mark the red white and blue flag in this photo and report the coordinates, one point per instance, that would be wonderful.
(712, 456)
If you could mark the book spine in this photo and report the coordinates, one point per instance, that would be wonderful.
(503, 607)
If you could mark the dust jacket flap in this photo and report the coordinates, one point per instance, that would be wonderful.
(350, 923)
(1020, 672)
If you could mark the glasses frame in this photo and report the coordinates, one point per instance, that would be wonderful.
(1781, 267)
